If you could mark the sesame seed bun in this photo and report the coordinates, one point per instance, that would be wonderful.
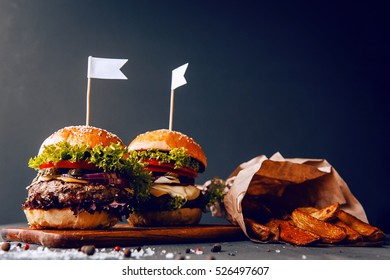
(166, 140)
(82, 135)
(66, 219)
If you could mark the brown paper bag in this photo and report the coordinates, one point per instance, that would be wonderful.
(294, 182)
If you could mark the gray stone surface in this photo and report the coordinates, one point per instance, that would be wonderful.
(240, 250)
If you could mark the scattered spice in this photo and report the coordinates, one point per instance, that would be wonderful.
(198, 251)
(88, 249)
(216, 248)
(127, 253)
(26, 246)
(117, 248)
(5, 246)
(169, 255)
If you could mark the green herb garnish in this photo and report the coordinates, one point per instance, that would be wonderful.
(215, 193)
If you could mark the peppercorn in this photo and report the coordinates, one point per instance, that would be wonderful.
(127, 253)
(5, 246)
(216, 248)
(88, 249)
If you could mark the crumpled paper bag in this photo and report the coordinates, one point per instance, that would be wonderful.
(297, 182)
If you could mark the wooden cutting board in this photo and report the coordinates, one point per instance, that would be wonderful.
(124, 235)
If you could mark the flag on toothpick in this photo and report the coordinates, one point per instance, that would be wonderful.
(177, 81)
(103, 68)
(178, 76)
(106, 68)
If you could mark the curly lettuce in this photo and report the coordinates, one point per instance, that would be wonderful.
(177, 156)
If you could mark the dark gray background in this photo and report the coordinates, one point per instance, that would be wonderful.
(307, 80)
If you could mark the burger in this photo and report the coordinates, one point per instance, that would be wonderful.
(86, 179)
(174, 159)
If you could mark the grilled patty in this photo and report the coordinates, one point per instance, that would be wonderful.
(79, 197)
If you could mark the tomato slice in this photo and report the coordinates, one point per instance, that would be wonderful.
(156, 166)
(70, 165)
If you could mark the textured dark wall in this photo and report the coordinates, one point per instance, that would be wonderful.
(307, 80)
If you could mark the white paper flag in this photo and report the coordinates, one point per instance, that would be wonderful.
(178, 76)
(106, 68)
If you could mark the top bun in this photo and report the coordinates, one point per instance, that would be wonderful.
(82, 135)
(166, 140)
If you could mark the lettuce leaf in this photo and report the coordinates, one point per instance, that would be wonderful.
(177, 156)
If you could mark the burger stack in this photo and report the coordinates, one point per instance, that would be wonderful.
(87, 178)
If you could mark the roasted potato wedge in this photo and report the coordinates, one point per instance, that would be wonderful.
(326, 214)
(352, 235)
(257, 230)
(369, 233)
(329, 233)
(295, 235)
(273, 226)
(308, 210)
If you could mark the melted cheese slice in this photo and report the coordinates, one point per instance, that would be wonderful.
(186, 192)
(57, 177)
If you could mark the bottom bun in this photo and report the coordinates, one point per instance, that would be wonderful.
(183, 216)
(66, 219)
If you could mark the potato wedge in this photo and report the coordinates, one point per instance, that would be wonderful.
(295, 235)
(369, 233)
(352, 235)
(329, 233)
(308, 210)
(273, 226)
(257, 230)
(326, 214)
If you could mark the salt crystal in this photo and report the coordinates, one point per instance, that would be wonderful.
(149, 252)
(169, 255)
(277, 251)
